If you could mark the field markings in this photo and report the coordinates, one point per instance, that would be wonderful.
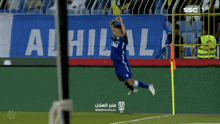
(141, 119)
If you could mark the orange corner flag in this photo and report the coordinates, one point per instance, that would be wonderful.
(172, 58)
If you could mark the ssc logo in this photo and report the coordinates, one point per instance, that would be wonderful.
(195, 10)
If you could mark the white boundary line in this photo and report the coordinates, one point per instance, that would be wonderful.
(140, 119)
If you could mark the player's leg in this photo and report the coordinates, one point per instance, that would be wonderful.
(136, 83)
(126, 83)
(125, 72)
(120, 78)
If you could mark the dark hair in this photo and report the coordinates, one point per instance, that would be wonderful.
(177, 26)
(213, 2)
(205, 28)
(118, 26)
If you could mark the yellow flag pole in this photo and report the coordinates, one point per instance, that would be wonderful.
(172, 81)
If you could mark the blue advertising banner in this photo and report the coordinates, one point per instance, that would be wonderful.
(89, 36)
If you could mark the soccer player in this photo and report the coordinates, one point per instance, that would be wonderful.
(120, 62)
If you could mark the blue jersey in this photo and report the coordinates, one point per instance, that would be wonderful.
(118, 49)
(118, 56)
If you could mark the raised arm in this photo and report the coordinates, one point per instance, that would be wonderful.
(112, 23)
(124, 33)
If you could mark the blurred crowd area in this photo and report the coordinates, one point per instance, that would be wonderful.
(132, 6)
(188, 29)
(103, 6)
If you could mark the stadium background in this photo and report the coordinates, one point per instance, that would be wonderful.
(29, 84)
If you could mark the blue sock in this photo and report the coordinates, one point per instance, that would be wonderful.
(140, 84)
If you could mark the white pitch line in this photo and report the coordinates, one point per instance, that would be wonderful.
(140, 119)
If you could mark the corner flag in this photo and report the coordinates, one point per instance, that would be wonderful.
(172, 58)
(173, 67)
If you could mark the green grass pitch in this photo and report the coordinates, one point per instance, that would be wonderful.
(108, 118)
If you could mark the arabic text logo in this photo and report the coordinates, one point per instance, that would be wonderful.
(105, 107)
